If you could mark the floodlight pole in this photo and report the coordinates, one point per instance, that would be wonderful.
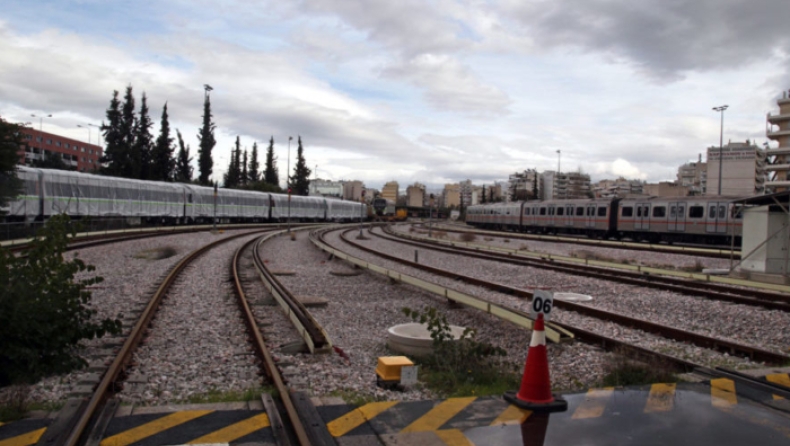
(288, 182)
(721, 141)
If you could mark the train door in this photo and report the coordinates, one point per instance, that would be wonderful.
(568, 215)
(642, 217)
(677, 216)
(589, 216)
(552, 212)
(716, 218)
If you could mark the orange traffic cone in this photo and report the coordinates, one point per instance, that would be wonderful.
(535, 392)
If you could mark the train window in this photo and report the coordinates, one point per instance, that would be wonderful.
(681, 211)
(560, 211)
(659, 211)
(712, 212)
(602, 211)
(673, 212)
(696, 212)
(628, 211)
(542, 211)
(579, 211)
(722, 211)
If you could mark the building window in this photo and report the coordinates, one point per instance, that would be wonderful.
(49, 141)
(38, 139)
(66, 145)
(57, 143)
(83, 149)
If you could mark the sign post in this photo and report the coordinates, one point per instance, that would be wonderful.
(361, 212)
(430, 217)
(215, 207)
(542, 303)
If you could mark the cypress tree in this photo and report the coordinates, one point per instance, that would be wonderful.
(301, 176)
(163, 165)
(535, 185)
(483, 198)
(254, 172)
(184, 162)
(207, 143)
(232, 177)
(271, 175)
(11, 139)
(127, 131)
(244, 175)
(143, 141)
(112, 137)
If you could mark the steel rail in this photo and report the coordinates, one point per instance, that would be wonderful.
(263, 351)
(775, 301)
(311, 331)
(650, 327)
(633, 246)
(102, 390)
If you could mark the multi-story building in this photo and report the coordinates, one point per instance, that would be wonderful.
(620, 187)
(742, 170)
(565, 186)
(75, 154)
(665, 189)
(326, 188)
(777, 128)
(451, 195)
(521, 185)
(694, 176)
(390, 191)
(352, 190)
(415, 195)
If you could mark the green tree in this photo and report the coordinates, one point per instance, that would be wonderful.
(491, 194)
(184, 162)
(255, 166)
(207, 143)
(52, 160)
(44, 311)
(143, 143)
(232, 177)
(483, 197)
(163, 165)
(301, 177)
(535, 184)
(244, 174)
(270, 175)
(127, 160)
(114, 153)
(11, 139)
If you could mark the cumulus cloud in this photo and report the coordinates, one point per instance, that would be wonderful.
(663, 38)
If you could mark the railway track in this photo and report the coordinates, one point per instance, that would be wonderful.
(99, 405)
(608, 342)
(746, 296)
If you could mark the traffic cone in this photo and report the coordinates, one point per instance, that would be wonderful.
(535, 391)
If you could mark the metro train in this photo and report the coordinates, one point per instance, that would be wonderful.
(49, 192)
(705, 220)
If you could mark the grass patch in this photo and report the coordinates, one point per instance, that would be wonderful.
(697, 267)
(439, 234)
(507, 240)
(160, 253)
(13, 402)
(622, 370)
(471, 382)
(488, 239)
(216, 396)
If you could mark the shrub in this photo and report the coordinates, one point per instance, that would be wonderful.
(44, 312)
(468, 237)
(465, 366)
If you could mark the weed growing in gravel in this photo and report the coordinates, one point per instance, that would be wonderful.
(488, 239)
(439, 234)
(216, 396)
(697, 267)
(623, 370)
(13, 402)
(157, 253)
(507, 240)
(293, 236)
(464, 367)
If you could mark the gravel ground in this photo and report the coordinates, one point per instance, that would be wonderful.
(360, 310)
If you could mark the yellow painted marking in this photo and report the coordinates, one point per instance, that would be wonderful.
(439, 415)
(594, 403)
(779, 378)
(512, 415)
(453, 437)
(24, 439)
(722, 393)
(348, 422)
(234, 431)
(661, 399)
(154, 427)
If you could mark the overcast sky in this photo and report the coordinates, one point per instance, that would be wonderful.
(413, 90)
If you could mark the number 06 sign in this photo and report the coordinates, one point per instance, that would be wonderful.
(542, 303)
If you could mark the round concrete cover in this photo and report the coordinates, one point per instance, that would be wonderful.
(573, 297)
(415, 339)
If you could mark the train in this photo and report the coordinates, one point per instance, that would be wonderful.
(48, 192)
(711, 220)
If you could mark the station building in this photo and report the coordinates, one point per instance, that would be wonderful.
(777, 128)
(78, 155)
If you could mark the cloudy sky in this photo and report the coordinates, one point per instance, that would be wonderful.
(413, 90)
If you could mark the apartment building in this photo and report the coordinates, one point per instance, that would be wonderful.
(76, 154)
(743, 169)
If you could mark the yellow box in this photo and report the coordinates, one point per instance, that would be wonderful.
(389, 367)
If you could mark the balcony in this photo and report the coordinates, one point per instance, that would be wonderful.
(781, 150)
(777, 134)
(778, 118)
